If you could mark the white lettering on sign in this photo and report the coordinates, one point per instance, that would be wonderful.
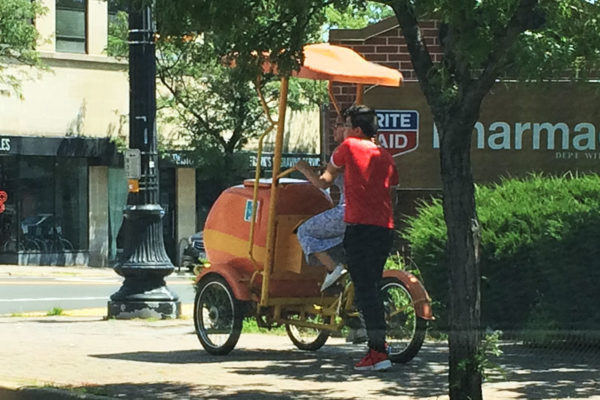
(394, 120)
(5, 144)
(393, 141)
(398, 130)
(544, 136)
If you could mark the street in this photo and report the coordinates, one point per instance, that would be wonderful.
(22, 294)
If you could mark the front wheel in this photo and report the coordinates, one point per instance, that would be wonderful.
(218, 315)
(405, 331)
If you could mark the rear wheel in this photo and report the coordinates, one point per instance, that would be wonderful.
(304, 338)
(218, 315)
(405, 331)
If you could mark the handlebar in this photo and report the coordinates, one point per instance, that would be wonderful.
(286, 172)
(292, 169)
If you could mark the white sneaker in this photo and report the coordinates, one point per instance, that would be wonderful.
(333, 276)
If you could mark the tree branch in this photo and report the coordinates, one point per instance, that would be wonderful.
(421, 59)
(200, 120)
(525, 17)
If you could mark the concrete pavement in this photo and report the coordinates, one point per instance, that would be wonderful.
(86, 356)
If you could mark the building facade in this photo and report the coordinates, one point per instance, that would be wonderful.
(59, 165)
(550, 127)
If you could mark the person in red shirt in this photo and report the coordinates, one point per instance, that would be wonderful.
(370, 176)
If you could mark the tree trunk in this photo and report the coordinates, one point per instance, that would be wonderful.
(462, 252)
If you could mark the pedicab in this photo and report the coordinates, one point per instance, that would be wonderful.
(256, 265)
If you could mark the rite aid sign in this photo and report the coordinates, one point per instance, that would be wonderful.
(398, 130)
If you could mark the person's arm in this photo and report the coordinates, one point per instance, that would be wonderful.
(322, 181)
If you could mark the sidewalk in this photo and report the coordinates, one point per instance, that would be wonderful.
(164, 360)
(87, 357)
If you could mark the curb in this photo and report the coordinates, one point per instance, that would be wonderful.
(187, 310)
(45, 393)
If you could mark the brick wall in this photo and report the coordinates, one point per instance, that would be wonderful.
(381, 43)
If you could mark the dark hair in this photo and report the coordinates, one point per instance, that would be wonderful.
(363, 117)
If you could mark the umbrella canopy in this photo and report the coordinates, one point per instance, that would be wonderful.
(324, 61)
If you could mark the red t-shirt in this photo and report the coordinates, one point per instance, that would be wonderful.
(369, 174)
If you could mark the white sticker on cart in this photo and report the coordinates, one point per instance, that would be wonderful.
(248, 211)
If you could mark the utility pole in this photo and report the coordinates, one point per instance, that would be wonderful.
(144, 263)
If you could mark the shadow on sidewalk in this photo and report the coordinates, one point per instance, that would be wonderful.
(530, 373)
(423, 377)
(552, 373)
(170, 390)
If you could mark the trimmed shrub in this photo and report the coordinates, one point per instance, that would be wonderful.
(540, 256)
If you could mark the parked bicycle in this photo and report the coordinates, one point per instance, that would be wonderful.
(39, 234)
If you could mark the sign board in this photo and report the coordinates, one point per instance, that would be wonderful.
(288, 160)
(550, 127)
(133, 163)
(4, 145)
(3, 198)
(398, 130)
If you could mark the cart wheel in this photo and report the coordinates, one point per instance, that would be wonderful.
(218, 315)
(405, 330)
(309, 339)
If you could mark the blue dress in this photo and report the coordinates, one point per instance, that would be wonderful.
(324, 231)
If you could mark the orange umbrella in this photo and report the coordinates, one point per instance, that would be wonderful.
(324, 61)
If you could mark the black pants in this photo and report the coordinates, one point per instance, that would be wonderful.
(367, 247)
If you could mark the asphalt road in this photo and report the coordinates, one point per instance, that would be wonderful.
(32, 294)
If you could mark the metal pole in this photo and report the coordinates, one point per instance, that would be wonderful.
(144, 263)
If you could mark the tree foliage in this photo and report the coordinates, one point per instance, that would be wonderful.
(18, 38)
(213, 105)
(214, 108)
(355, 16)
(527, 249)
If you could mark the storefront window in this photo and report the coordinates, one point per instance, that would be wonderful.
(71, 202)
(36, 202)
(46, 209)
(71, 26)
(8, 217)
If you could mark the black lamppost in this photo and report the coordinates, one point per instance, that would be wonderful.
(144, 262)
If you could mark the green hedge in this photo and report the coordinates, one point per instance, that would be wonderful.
(540, 256)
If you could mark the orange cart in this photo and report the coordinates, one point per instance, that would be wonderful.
(257, 268)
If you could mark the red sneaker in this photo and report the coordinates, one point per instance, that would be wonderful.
(373, 361)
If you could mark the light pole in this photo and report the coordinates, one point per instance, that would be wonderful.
(144, 262)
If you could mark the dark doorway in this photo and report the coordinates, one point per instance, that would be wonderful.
(167, 202)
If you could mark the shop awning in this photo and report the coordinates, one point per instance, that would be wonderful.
(99, 151)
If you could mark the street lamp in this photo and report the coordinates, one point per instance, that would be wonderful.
(144, 263)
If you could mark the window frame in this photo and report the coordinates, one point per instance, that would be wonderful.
(66, 38)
